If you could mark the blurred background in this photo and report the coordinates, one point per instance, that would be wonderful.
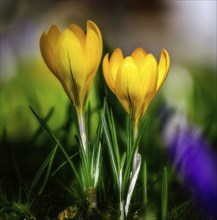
(187, 29)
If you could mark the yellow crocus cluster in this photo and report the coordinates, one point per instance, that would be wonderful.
(135, 79)
(73, 57)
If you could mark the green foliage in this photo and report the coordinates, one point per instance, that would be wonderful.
(46, 173)
(124, 177)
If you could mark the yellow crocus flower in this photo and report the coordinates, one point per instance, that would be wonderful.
(73, 57)
(135, 79)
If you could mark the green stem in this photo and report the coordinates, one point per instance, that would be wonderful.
(85, 162)
(136, 155)
(81, 123)
(121, 210)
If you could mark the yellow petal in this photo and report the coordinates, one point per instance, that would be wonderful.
(138, 55)
(79, 33)
(67, 86)
(115, 61)
(128, 86)
(93, 47)
(70, 63)
(163, 67)
(149, 74)
(107, 74)
(47, 53)
(136, 92)
(52, 37)
(121, 87)
(93, 54)
(149, 77)
(94, 27)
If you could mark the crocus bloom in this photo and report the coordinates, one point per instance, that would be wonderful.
(73, 57)
(136, 78)
(194, 161)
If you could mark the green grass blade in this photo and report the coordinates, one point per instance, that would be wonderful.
(123, 159)
(97, 141)
(97, 167)
(88, 130)
(129, 135)
(133, 180)
(114, 139)
(132, 151)
(50, 163)
(39, 174)
(44, 125)
(127, 172)
(111, 127)
(70, 163)
(58, 142)
(164, 197)
(20, 180)
(110, 149)
(102, 192)
(141, 129)
(46, 119)
(85, 165)
(145, 183)
(62, 165)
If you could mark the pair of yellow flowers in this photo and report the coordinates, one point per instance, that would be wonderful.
(74, 57)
